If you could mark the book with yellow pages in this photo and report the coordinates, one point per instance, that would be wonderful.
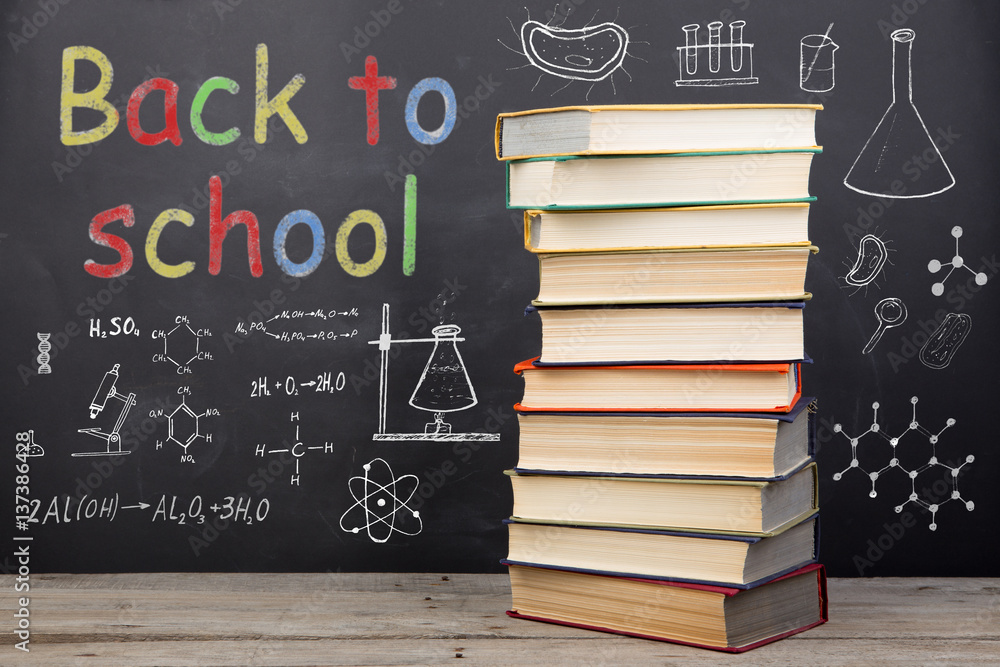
(760, 387)
(756, 507)
(673, 275)
(676, 227)
(667, 179)
(733, 444)
(716, 617)
(733, 560)
(653, 128)
(675, 332)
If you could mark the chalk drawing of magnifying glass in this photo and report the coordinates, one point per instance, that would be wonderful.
(891, 312)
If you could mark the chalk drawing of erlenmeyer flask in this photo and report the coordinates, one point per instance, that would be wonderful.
(444, 385)
(900, 137)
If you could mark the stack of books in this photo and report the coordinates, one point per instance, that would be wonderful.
(665, 485)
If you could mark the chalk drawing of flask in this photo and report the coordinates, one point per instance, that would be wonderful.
(444, 385)
(898, 138)
(816, 64)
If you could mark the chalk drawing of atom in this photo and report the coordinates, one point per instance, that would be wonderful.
(381, 503)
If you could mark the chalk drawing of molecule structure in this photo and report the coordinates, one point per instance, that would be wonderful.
(932, 462)
(184, 425)
(297, 450)
(937, 289)
(182, 345)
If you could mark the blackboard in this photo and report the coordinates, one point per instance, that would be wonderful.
(251, 391)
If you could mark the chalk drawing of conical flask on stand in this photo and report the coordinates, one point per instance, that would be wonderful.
(900, 137)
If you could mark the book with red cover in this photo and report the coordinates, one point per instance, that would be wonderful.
(759, 387)
(702, 615)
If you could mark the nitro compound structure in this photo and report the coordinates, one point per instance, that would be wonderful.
(184, 425)
(932, 463)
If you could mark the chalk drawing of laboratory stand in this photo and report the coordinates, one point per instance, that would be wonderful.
(444, 386)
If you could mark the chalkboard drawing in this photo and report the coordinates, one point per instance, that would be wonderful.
(182, 345)
(900, 147)
(44, 346)
(941, 346)
(293, 326)
(816, 62)
(872, 257)
(26, 444)
(932, 503)
(105, 392)
(715, 63)
(891, 312)
(444, 385)
(591, 53)
(381, 504)
(937, 289)
(296, 450)
(184, 425)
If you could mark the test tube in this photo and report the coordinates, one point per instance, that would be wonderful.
(691, 47)
(714, 31)
(736, 45)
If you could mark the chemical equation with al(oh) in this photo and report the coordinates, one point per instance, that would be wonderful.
(63, 509)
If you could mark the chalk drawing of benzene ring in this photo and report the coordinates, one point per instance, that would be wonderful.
(387, 503)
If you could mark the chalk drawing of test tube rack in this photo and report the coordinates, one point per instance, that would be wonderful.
(708, 64)
(444, 385)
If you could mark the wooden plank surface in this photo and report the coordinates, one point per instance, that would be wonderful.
(388, 619)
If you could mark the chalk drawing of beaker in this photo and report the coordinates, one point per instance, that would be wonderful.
(816, 64)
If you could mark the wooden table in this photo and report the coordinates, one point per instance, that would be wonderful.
(385, 619)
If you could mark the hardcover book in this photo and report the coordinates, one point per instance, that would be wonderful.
(731, 560)
(732, 333)
(752, 445)
(653, 128)
(672, 179)
(661, 387)
(720, 505)
(716, 617)
(676, 227)
(673, 275)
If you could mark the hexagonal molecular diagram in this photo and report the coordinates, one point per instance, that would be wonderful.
(182, 345)
(184, 425)
(920, 471)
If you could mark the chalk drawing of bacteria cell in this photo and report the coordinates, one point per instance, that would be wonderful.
(591, 53)
(871, 259)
